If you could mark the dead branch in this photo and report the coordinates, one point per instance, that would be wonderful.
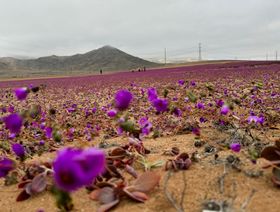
(178, 206)
(246, 202)
(221, 179)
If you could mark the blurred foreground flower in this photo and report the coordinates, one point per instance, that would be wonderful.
(224, 110)
(13, 122)
(161, 105)
(18, 149)
(112, 113)
(21, 93)
(6, 165)
(75, 168)
(123, 99)
(152, 94)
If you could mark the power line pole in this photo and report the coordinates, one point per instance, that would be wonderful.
(199, 52)
(276, 55)
(165, 56)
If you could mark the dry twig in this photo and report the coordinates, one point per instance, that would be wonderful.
(246, 202)
(178, 206)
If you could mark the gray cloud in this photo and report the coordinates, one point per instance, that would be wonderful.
(226, 28)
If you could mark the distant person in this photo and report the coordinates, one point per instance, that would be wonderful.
(101, 71)
(144, 69)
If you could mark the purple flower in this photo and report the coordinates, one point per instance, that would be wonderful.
(196, 131)
(255, 119)
(119, 131)
(143, 121)
(92, 162)
(175, 99)
(152, 94)
(225, 91)
(146, 130)
(181, 82)
(202, 120)
(12, 136)
(193, 83)
(177, 112)
(48, 132)
(70, 133)
(161, 105)
(220, 103)
(68, 174)
(112, 113)
(21, 93)
(123, 99)
(6, 165)
(4, 110)
(75, 168)
(145, 125)
(71, 110)
(200, 105)
(224, 110)
(261, 120)
(142, 91)
(236, 147)
(13, 122)
(43, 125)
(11, 109)
(18, 149)
(94, 110)
(42, 143)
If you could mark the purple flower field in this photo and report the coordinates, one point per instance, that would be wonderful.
(112, 141)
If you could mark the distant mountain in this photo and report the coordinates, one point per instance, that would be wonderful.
(106, 58)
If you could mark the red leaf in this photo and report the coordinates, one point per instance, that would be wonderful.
(130, 170)
(22, 196)
(108, 206)
(140, 195)
(23, 184)
(145, 182)
(94, 195)
(270, 153)
(277, 143)
(38, 184)
(118, 152)
(276, 173)
(107, 195)
(136, 195)
(275, 181)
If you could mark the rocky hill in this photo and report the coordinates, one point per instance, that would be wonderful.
(106, 58)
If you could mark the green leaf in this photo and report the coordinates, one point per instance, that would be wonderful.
(192, 97)
(63, 199)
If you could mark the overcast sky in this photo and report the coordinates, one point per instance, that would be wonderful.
(226, 28)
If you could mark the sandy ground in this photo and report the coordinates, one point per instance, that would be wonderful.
(201, 183)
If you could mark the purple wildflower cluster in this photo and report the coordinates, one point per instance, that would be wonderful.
(161, 105)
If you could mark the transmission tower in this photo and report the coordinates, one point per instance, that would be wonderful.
(199, 52)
